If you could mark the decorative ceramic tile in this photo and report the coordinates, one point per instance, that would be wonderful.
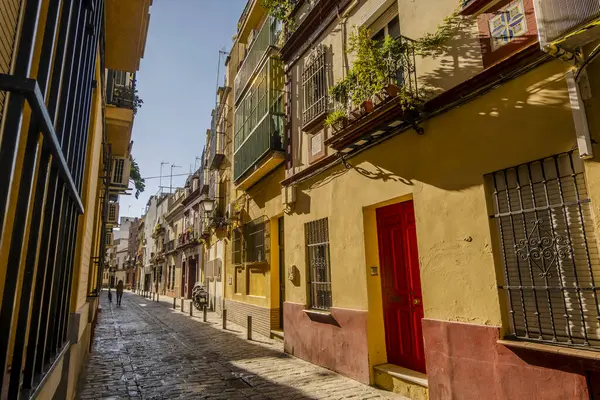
(508, 24)
(316, 145)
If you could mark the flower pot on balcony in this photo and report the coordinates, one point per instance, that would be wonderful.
(340, 125)
(391, 90)
(367, 106)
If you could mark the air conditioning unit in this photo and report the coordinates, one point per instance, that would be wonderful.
(119, 173)
(568, 24)
(113, 214)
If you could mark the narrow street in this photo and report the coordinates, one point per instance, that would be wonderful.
(147, 350)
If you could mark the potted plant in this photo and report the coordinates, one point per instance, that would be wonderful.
(393, 52)
(367, 73)
(337, 120)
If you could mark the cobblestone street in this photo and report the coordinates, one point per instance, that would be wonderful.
(147, 350)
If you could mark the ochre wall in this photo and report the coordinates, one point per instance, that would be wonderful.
(85, 223)
(523, 120)
(443, 171)
(457, 61)
(255, 283)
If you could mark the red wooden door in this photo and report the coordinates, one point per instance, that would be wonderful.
(401, 285)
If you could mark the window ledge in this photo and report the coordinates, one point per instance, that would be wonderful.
(551, 349)
(416, 377)
(315, 121)
(323, 317)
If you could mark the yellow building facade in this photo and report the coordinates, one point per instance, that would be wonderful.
(55, 191)
(401, 264)
(252, 263)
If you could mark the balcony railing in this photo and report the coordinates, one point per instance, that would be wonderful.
(266, 38)
(120, 89)
(216, 151)
(187, 238)
(268, 136)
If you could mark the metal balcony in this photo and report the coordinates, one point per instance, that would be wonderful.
(264, 41)
(120, 89)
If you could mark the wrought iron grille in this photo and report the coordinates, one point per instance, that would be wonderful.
(550, 257)
(317, 254)
(36, 307)
(236, 247)
(314, 86)
(255, 236)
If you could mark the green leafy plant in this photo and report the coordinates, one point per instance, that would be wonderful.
(335, 117)
(282, 10)
(134, 176)
(368, 70)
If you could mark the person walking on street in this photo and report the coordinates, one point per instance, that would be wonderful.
(109, 295)
(119, 293)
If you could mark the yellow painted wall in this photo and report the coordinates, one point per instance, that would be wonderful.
(256, 284)
(460, 58)
(525, 119)
(89, 198)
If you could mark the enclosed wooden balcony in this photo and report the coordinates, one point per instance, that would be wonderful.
(126, 23)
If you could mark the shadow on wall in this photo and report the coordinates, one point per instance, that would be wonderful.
(460, 60)
(531, 116)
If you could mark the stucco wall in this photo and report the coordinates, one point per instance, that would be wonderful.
(443, 172)
(255, 282)
(458, 58)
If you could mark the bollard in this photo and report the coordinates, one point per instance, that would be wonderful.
(191, 309)
(204, 313)
(152, 296)
(157, 297)
(174, 300)
(224, 319)
(182, 304)
(249, 327)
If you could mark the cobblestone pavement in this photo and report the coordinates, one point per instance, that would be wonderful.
(147, 350)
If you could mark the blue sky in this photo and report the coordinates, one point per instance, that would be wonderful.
(177, 81)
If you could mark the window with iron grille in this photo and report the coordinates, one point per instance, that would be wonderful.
(314, 86)
(542, 214)
(317, 255)
(119, 166)
(255, 233)
(236, 247)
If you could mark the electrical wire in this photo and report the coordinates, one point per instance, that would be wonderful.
(594, 53)
(164, 176)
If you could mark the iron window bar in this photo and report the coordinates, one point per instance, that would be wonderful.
(542, 215)
(317, 254)
(315, 86)
(31, 90)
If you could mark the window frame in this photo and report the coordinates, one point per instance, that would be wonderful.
(316, 234)
(315, 87)
(545, 244)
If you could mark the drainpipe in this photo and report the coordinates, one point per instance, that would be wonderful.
(343, 19)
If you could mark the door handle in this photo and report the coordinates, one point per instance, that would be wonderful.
(416, 301)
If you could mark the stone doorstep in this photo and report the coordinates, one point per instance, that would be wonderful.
(405, 374)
